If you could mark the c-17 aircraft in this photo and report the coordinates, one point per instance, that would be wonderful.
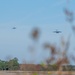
(57, 31)
(14, 28)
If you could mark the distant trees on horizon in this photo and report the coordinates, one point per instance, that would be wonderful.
(9, 65)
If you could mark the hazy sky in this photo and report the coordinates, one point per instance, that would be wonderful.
(48, 15)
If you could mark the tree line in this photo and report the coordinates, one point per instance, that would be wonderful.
(9, 65)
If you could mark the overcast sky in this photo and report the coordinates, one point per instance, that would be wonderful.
(47, 15)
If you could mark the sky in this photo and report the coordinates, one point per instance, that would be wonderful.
(47, 15)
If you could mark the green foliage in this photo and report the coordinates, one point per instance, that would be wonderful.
(42, 64)
(2, 65)
(35, 73)
(9, 65)
(13, 64)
